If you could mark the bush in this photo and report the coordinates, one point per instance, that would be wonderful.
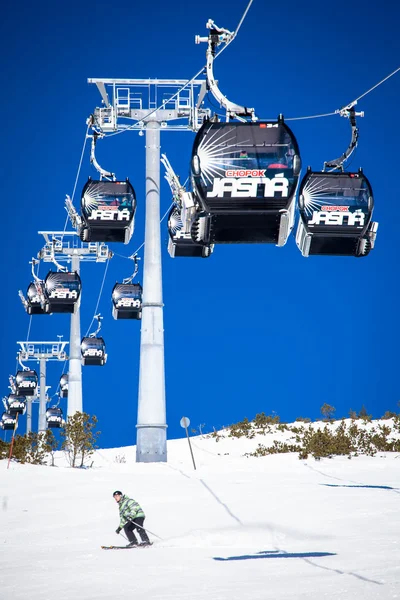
(79, 438)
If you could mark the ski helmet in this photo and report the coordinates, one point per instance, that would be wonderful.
(117, 493)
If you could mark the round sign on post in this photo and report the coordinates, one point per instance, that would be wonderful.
(185, 422)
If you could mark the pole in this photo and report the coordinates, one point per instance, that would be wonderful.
(12, 440)
(42, 397)
(29, 414)
(190, 446)
(75, 365)
(151, 443)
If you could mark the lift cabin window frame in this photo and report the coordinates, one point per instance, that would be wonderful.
(108, 211)
(245, 166)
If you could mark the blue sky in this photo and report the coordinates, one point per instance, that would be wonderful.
(255, 327)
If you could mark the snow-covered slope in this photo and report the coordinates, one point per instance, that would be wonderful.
(274, 527)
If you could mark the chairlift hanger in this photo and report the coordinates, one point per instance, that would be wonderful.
(348, 112)
(217, 36)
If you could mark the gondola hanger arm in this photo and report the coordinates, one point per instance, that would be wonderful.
(99, 319)
(217, 36)
(93, 160)
(348, 112)
(136, 269)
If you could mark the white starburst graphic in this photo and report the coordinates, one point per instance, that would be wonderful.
(215, 154)
(317, 193)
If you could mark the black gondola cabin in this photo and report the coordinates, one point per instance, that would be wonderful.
(54, 417)
(108, 211)
(335, 214)
(16, 405)
(34, 305)
(62, 291)
(64, 386)
(181, 243)
(26, 383)
(8, 421)
(93, 350)
(127, 301)
(244, 178)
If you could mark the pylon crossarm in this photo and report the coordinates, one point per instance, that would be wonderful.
(217, 36)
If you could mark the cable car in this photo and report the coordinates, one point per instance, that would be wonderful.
(64, 386)
(62, 291)
(108, 211)
(54, 417)
(181, 243)
(16, 404)
(93, 350)
(336, 206)
(335, 214)
(127, 301)
(32, 303)
(8, 421)
(244, 178)
(26, 383)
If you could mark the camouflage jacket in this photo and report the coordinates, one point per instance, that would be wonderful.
(129, 510)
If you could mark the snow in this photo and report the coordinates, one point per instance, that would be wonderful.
(235, 528)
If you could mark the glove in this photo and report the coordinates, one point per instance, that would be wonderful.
(118, 530)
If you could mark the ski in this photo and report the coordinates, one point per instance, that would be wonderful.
(125, 547)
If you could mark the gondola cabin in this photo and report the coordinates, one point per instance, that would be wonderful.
(93, 350)
(64, 386)
(244, 178)
(16, 404)
(108, 211)
(8, 421)
(127, 301)
(54, 417)
(181, 243)
(62, 291)
(335, 214)
(34, 305)
(26, 383)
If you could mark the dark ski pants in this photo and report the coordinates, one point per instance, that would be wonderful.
(137, 524)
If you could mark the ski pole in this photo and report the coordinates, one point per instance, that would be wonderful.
(148, 531)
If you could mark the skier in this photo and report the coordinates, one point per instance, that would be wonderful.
(131, 518)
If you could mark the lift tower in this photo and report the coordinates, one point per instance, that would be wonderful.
(65, 246)
(40, 352)
(154, 105)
